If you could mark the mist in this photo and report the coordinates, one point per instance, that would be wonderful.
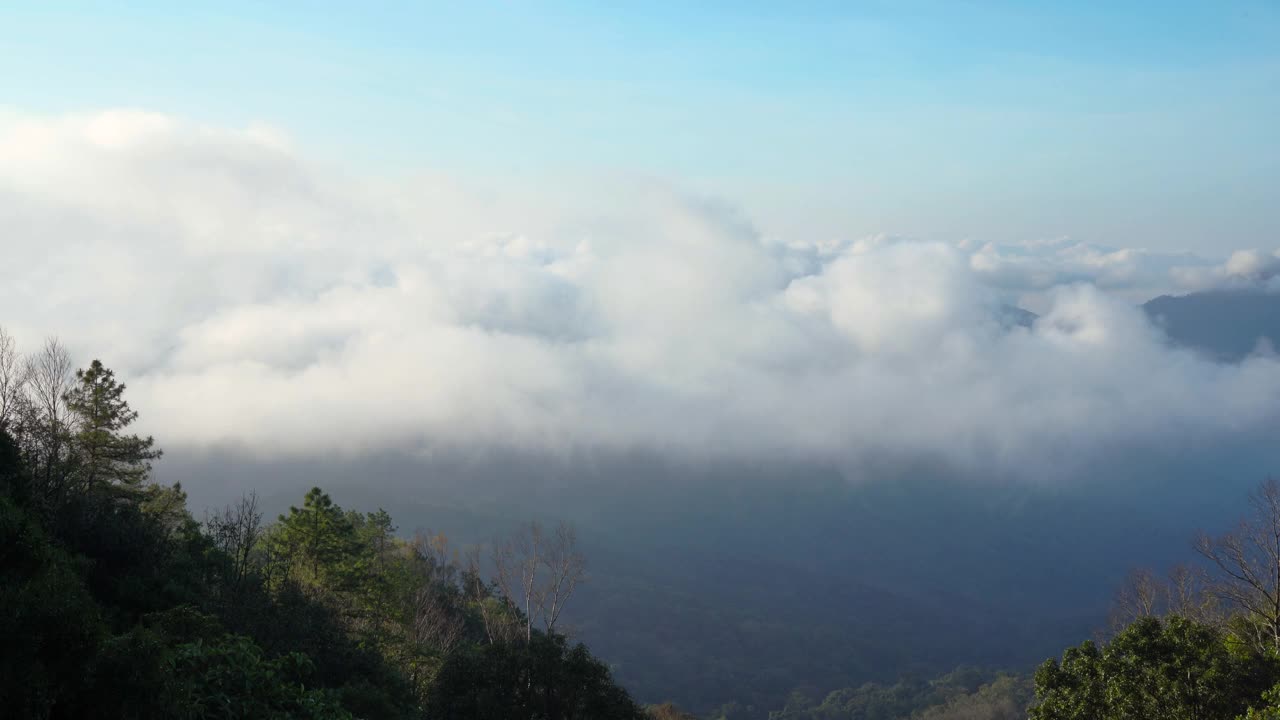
(702, 361)
(263, 304)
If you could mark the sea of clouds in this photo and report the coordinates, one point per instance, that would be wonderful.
(258, 299)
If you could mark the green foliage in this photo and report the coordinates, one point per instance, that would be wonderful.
(1006, 698)
(667, 711)
(874, 701)
(119, 605)
(108, 459)
(1173, 669)
(50, 624)
(12, 479)
(230, 678)
(545, 679)
(1269, 709)
(317, 542)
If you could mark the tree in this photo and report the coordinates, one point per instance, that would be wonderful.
(230, 678)
(12, 477)
(1270, 708)
(1185, 592)
(1006, 698)
(107, 460)
(499, 616)
(565, 568)
(236, 531)
(13, 381)
(668, 711)
(543, 679)
(1174, 670)
(540, 571)
(51, 627)
(318, 537)
(1247, 562)
(434, 618)
(45, 424)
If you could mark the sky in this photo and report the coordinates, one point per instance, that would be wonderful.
(720, 231)
(1128, 124)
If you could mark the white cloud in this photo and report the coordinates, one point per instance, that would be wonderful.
(250, 297)
(1242, 269)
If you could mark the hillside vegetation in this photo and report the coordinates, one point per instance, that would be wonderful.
(121, 604)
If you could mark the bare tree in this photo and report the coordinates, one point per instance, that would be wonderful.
(434, 621)
(1138, 597)
(236, 530)
(49, 376)
(47, 426)
(499, 624)
(539, 572)
(437, 561)
(1247, 563)
(565, 568)
(1184, 592)
(516, 561)
(13, 380)
(1189, 595)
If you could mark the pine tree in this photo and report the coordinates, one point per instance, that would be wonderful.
(317, 537)
(107, 460)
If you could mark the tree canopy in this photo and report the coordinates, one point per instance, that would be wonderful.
(120, 604)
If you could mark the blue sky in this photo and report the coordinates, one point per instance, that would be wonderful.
(1139, 124)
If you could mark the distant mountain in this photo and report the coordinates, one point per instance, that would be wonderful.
(1011, 316)
(1225, 324)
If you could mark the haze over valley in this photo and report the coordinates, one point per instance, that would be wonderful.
(863, 353)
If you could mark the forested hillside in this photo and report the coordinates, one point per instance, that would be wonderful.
(120, 604)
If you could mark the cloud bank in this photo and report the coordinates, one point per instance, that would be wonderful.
(259, 300)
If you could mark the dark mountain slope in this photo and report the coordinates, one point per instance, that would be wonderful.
(1224, 324)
